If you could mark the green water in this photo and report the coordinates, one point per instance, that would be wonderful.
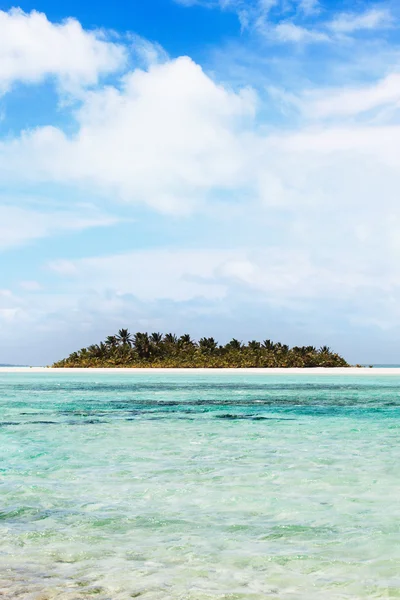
(195, 487)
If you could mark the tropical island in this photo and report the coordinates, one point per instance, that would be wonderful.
(170, 351)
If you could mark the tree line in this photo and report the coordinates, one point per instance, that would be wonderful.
(169, 350)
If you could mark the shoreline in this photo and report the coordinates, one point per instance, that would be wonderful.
(363, 371)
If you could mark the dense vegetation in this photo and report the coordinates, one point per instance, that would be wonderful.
(157, 350)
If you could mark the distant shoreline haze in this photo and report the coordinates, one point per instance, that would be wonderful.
(170, 351)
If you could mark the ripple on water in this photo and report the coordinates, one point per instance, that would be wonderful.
(199, 487)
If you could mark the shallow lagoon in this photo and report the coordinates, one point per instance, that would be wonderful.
(188, 486)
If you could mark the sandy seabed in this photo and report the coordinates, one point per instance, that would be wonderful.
(364, 371)
(199, 486)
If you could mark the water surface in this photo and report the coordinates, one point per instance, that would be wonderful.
(195, 487)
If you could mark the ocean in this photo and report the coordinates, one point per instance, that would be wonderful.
(199, 486)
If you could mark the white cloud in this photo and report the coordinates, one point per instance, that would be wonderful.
(280, 276)
(207, 3)
(32, 48)
(148, 53)
(258, 7)
(202, 140)
(30, 286)
(310, 7)
(295, 21)
(223, 4)
(20, 225)
(319, 31)
(166, 139)
(289, 32)
(353, 101)
(178, 275)
(350, 22)
(197, 290)
(9, 306)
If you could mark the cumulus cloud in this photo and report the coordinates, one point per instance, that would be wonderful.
(33, 48)
(148, 53)
(167, 138)
(174, 140)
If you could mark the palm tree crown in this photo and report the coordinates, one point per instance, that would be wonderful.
(124, 337)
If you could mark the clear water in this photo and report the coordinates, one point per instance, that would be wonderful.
(195, 487)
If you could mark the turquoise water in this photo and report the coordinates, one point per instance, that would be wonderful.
(195, 487)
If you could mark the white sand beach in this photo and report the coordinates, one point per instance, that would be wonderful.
(364, 371)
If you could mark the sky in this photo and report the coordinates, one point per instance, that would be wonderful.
(213, 167)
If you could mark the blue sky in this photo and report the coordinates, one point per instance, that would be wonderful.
(217, 167)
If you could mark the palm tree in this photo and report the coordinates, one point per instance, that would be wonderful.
(208, 345)
(142, 344)
(156, 338)
(124, 337)
(170, 338)
(156, 344)
(254, 345)
(186, 340)
(268, 345)
(111, 341)
(234, 344)
(299, 350)
(324, 350)
(103, 350)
